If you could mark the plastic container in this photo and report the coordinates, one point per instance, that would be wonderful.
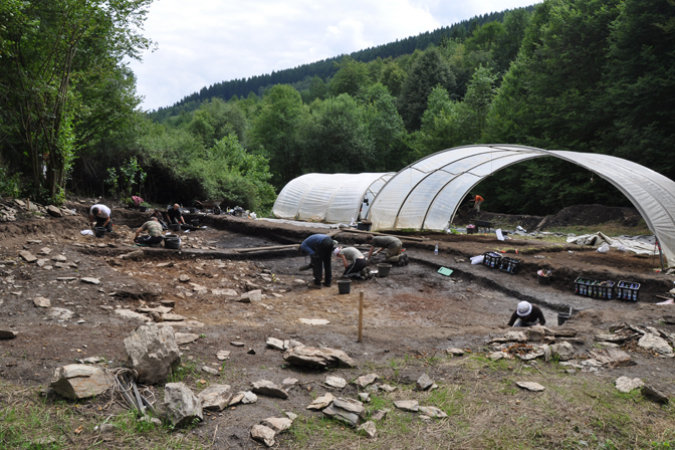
(492, 260)
(99, 231)
(344, 286)
(174, 226)
(171, 241)
(383, 270)
(603, 290)
(628, 290)
(509, 265)
(563, 317)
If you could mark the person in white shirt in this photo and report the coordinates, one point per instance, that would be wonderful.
(99, 216)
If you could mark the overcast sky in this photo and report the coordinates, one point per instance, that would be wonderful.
(203, 42)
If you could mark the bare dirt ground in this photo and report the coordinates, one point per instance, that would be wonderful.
(413, 313)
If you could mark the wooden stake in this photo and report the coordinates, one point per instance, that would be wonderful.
(360, 316)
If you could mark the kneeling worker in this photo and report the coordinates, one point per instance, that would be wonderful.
(353, 260)
(527, 315)
(392, 245)
(154, 229)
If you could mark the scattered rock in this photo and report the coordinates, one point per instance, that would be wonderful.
(224, 292)
(223, 355)
(656, 344)
(152, 352)
(289, 382)
(210, 370)
(91, 360)
(244, 398)
(45, 251)
(61, 314)
(183, 278)
(263, 434)
(78, 381)
(278, 424)
(54, 211)
(611, 357)
(129, 314)
(563, 350)
(322, 402)
(42, 302)
(424, 382)
(314, 321)
(269, 389)
(317, 358)
(135, 255)
(625, 384)
(454, 351)
(90, 280)
(407, 405)
(364, 397)
(59, 258)
(368, 428)
(237, 344)
(365, 380)
(433, 412)
(171, 317)
(380, 414)
(27, 256)
(346, 410)
(275, 343)
(215, 397)
(386, 388)
(530, 386)
(336, 382)
(496, 356)
(254, 296)
(654, 395)
(185, 338)
(182, 406)
(7, 334)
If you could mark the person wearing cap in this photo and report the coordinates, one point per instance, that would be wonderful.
(99, 216)
(527, 315)
(353, 260)
(319, 248)
(390, 244)
(477, 201)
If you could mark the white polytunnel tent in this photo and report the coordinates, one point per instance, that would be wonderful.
(331, 198)
(427, 193)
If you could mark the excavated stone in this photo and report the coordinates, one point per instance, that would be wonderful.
(365, 380)
(626, 384)
(215, 397)
(78, 381)
(530, 386)
(317, 358)
(336, 382)
(278, 424)
(656, 344)
(263, 434)
(424, 382)
(182, 405)
(322, 401)
(433, 412)
(152, 352)
(269, 389)
(407, 405)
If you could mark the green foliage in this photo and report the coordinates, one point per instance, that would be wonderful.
(126, 179)
(10, 186)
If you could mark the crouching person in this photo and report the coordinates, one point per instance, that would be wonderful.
(527, 315)
(154, 230)
(354, 261)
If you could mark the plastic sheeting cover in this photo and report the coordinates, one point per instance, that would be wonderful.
(332, 198)
(427, 193)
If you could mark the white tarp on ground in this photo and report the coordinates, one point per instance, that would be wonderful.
(641, 245)
(331, 198)
(427, 193)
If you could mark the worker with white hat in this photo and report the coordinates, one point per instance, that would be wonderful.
(526, 315)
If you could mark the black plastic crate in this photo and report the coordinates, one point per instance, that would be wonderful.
(594, 288)
(628, 290)
(510, 265)
(492, 260)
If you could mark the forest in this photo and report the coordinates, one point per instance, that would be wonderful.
(588, 76)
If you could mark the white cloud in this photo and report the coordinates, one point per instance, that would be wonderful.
(209, 41)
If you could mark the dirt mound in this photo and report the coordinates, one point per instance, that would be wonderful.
(591, 215)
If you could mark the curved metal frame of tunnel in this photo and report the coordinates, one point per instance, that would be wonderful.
(427, 193)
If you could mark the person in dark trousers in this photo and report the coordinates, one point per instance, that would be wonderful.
(527, 315)
(99, 216)
(154, 230)
(319, 247)
(353, 260)
(174, 215)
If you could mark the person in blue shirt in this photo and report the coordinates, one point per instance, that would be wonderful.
(319, 247)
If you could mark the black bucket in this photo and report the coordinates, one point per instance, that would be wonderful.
(563, 317)
(344, 286)
(99, 231)
(172, 241)
(174, 226)
(383, 270)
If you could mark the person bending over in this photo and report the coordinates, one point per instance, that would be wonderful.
(527, 315)
(154, 229)
(99, 216)
(319, 248)
(353, 260)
